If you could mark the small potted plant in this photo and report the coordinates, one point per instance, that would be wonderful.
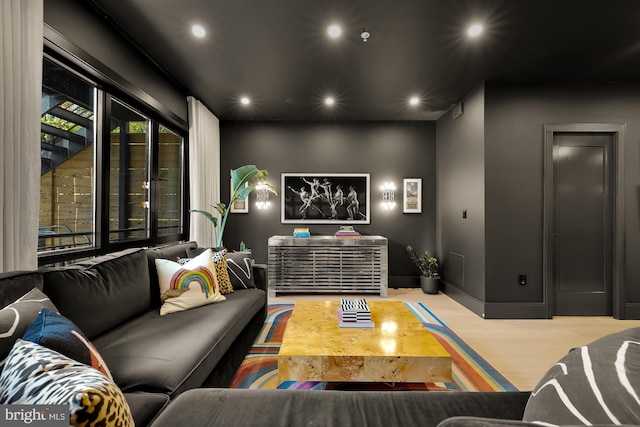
(428, 265)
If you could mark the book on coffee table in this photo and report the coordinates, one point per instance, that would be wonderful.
(354, 313)
(351, 304)
(346, 323)
(355, 324)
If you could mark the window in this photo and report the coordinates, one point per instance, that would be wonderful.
(169, 179)
(67, 153)
(112, 169)
(129, 141)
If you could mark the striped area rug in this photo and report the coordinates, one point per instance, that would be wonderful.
(470, 372)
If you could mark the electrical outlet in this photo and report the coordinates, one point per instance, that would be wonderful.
(522, 279)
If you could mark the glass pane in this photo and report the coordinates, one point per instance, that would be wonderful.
(169, 182)
(66, 160)
(128, 174)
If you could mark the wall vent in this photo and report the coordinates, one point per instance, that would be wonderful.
(458, 110)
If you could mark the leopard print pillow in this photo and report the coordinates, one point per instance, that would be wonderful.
(36, 375)
(224, 281)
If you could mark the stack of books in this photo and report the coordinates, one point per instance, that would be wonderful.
(354, 313)
(301, 232)
(347, 232)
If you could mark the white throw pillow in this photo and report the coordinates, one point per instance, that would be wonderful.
(187, 286)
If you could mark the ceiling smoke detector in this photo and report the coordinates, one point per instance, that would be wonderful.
(365, 35)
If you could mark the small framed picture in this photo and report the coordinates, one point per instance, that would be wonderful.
(239, 205)
(412, 195)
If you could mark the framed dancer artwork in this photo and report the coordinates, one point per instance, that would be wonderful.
(325, 198)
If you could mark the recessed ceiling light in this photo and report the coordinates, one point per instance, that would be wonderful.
(245, 101)
(198, 31)
(334, 31)
(475, 30)
(414, 100)
(329, 100)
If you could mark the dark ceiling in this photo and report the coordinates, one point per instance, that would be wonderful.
(277, 53)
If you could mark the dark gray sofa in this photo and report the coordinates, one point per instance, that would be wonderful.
(232, 407)
(114, 299)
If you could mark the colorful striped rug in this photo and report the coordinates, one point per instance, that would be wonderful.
(470, 372)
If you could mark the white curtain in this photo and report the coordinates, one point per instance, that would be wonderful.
(21, 28)
(204, 169)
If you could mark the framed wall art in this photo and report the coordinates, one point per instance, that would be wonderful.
(412, 195)
(239, 205)
(325, 198)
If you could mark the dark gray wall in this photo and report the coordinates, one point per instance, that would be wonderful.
(515, 116)
(389, 151)
(111, 54)
(461, 169)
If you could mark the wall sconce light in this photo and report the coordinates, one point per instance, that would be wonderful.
(388, 195)
(262, 193)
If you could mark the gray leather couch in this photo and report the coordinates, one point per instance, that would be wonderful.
(114, 300)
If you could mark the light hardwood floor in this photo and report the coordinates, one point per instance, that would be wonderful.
(522, 350)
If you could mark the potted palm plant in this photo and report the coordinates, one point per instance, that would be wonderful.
(428, 265)
(244, 180)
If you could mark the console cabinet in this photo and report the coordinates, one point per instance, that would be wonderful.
(328, 264)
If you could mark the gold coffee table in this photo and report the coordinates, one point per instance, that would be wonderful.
(397, 349)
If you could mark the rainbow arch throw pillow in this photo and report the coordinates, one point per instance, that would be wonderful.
(189, 285)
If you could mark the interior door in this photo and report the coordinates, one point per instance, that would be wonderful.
(582, 229)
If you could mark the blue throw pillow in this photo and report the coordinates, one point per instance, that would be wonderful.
(56, 332)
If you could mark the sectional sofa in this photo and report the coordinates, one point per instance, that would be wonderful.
(114, 299)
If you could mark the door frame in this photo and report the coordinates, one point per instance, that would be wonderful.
(618, 133)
